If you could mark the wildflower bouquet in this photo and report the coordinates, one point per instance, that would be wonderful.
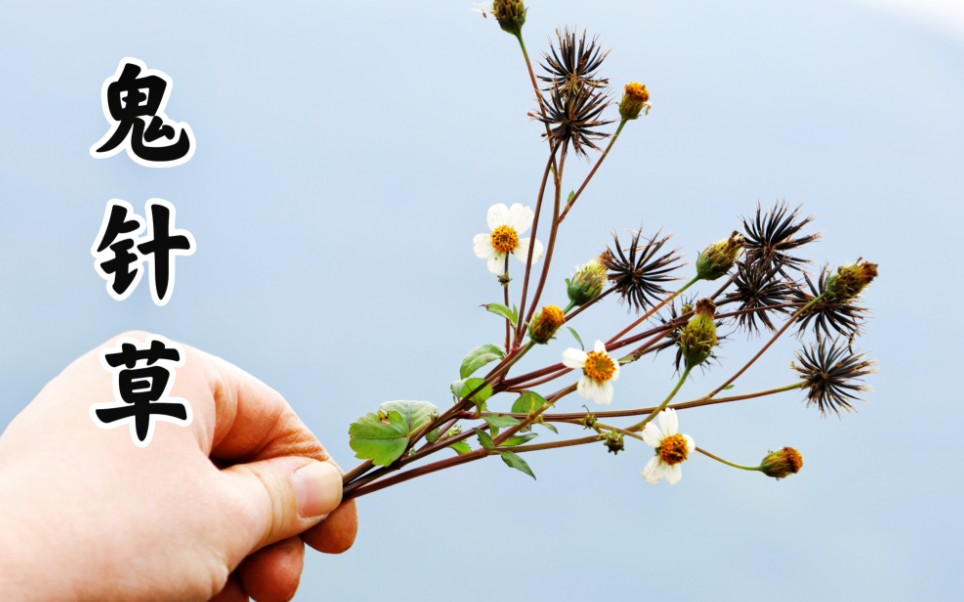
(756, 284)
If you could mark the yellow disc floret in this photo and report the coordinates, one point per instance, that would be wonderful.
(505, 239)
(673, 449)
(599, 366)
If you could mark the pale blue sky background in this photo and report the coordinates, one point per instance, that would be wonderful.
(347, 153)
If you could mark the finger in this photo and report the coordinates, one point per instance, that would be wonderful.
(278, 498)
(336, 533)
(273, 573)
(233, 591)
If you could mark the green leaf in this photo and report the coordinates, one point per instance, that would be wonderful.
(529, 403)
(550, 426)
(578, 338)
(485, 439)
(501, 421)
(416, 413)
(479, 357)
(432, 436)
(519, 439)
(572, 195)
(461, 447)
(512, 315)
(461, 388)
(380, 440)
(514, 461)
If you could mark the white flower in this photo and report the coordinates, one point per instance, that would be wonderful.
(599, 371)
(506, 223)
(672, 448)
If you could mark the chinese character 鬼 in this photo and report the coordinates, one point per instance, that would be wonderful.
(134, 99)
(119, 253)
(143, 376)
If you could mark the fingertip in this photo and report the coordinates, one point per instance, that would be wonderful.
(273, 573)
(335, 534)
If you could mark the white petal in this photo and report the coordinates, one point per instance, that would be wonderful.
(615, 375)
(496, 263)
(584, 387)
(519, 217)
(652, 435)
(599, 347)
(690, 444)
(674, 473)
(669, 422)
(653, 471)
(496, 216)
(537, 251)
(522, 250)
(574, 358)
(604, 393)
(482, 245)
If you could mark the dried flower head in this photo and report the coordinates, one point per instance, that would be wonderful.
(830, 371)
(638, 271)
(829, 312)
(782, 463)
(758, 289)
(772, 235)
(635, 100)
(614, 442)
(573, 66)
(717, 259)
(576, 97)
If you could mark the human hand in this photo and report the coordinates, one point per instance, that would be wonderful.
(217, 509)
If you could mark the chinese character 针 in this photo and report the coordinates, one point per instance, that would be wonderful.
(119, 253)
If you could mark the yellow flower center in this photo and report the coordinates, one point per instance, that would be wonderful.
(505, 239)
(599, 366)
(673, 449)
(637, 92)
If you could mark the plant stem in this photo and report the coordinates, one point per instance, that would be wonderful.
(763, 349)
(640, 425)
(592, 172)
(652, 311)
(728, 463)
(532, 244)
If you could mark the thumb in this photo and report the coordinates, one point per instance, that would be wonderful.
(282, 497)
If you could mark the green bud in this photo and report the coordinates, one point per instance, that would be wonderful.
(587, 283)
(511, 15)
(614, 442)
(782, 463)
(851, 280)
(698, 338)
(719, 257)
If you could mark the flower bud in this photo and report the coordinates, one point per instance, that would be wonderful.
(635, 99)
(614, 442)
(782, 463)
(587, 283)
(546, 323)
(511, 15)
(698, 338)
(850, 280)
(719, 257)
